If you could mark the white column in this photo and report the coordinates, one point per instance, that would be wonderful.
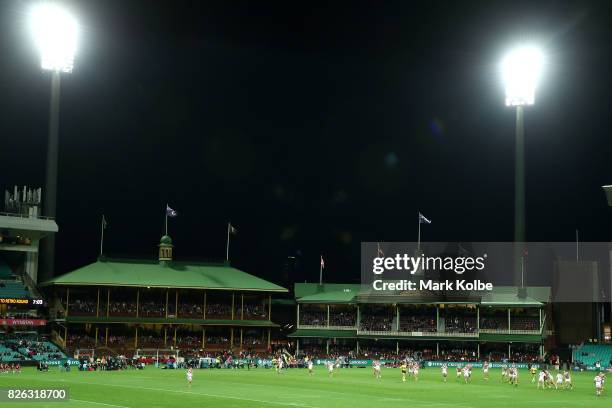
(397, 328)
(509, 319)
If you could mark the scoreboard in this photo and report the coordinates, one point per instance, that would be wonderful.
(21, 302)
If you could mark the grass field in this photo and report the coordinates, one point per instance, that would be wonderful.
(353, 388)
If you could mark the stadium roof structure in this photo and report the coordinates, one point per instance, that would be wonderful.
(330, 293)
(151, 273)
(326, 293)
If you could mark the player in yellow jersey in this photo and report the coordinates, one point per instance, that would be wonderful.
(534, 373)
(403, 368)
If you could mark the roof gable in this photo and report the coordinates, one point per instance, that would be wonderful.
(142, 273)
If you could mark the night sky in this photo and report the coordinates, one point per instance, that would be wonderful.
(311, 127)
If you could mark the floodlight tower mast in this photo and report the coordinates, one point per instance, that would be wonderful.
(521, 70)
(55, 33)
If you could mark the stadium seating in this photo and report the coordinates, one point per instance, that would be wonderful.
(10, 285)
(589, 354)
(27, 346)
(13, 289)
(8, 355)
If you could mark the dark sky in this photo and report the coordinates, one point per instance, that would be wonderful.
(311, 127)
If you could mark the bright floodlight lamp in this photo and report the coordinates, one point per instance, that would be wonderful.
(521, 71)
(55, 33)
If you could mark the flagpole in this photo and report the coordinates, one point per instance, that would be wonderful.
(227, 243)
(166, 219)
(576, 245)
(321, 271)
(419, 237)
(102, 235)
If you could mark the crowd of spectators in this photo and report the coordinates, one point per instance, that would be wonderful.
(122, 308)
(377, 322)
(191, 310)
(336, 318)
(494, 323)
(346, 319)
(313, 318)
(460, 324)
(81, 307)
(217, 340)
(151, 309)
(525, 323)
(252, 312)
(218, 310)
(29, 347)
(415, 323)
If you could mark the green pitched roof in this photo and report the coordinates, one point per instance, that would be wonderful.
(326, 293)
(508, 296)
(353, 293)
(143, 273)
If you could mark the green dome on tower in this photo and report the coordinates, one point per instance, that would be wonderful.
(166, 240)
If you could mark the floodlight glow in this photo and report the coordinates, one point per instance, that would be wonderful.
(521, 71)
(55, 33)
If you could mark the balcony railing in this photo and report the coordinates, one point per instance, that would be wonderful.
(506, 331)
(416, 334)
(325, 327)
(17, 215)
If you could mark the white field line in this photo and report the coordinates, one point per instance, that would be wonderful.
(98, 403)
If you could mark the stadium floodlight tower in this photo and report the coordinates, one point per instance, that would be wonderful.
(521, 72)
(55, 32)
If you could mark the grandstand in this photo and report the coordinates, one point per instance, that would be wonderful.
(591, 354)
(28, 346)
(341, 318)
(121, 306)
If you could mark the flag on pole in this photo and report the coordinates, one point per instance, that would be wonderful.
(232, 230)
(104, 223)
(423, 220)
(380, 252)
(170, 212)
(322, 262)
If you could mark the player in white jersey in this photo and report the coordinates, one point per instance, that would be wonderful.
(310, 366)
(280, 364)
(330, 368)
(467, 373)
(550, 380)
(504, 372)
(415, 371)
(485, 371)
(459, 371)
(444, 371)
(189, 376)
(598, 384)
(377, 373)
(567, 378)
(559, 381)
(542, 379)
(513, 375)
